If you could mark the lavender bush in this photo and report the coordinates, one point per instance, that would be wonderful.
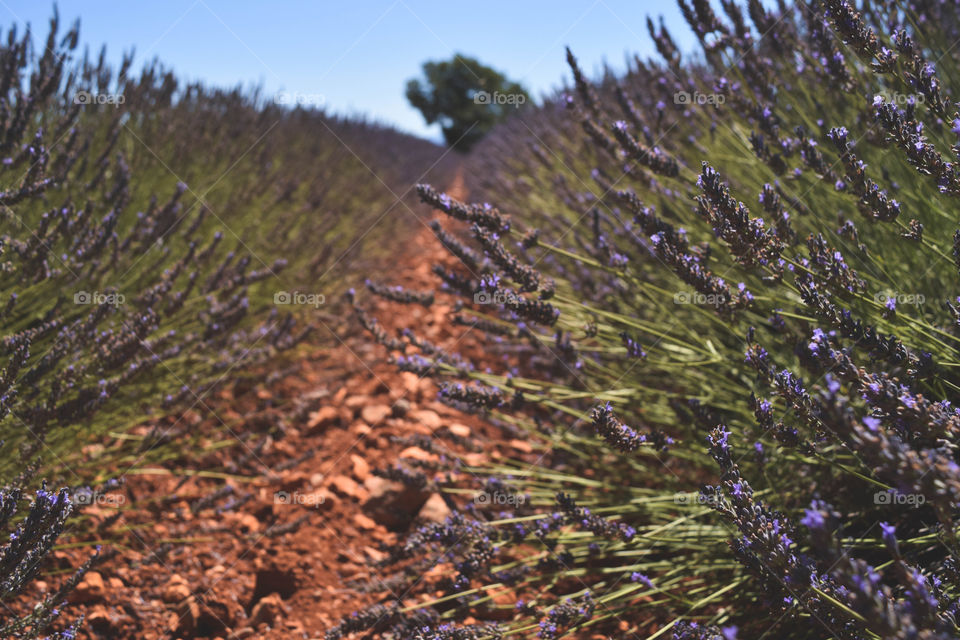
(147, 229)
(727, 308)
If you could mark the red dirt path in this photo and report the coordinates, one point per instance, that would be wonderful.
(285, 561)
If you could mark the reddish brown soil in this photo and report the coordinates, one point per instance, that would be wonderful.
(286, 562)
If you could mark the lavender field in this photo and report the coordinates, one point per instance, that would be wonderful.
(667, 351)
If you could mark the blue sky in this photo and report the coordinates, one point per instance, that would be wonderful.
(355, 57)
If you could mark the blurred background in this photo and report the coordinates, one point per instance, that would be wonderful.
(355, 58)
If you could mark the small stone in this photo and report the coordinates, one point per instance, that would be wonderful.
(375, 554)
(400, 408)
(459, 429)
(216, 570)
(374, 414)
(91, 588)
(435, 509)
(357, 401)
(392, 504)
(177, 590)
(364, 522)
(361, 469)
(320, 499)
(360, 428)
(474, 459)
(411, 383)
(344, 485)
(443, 409)
(249, 522)
(416, 453)
(521, 445)
(267, 609)
(426, 417)
(322, 418)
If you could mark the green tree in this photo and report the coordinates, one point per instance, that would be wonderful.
(466, 97)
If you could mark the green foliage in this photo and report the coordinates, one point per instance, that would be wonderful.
(765, 510)
(155, 241)
(466, 97)
(221, 188)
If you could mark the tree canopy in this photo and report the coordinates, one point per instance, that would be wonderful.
(465, 97)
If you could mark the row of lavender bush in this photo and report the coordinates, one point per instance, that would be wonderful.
(726, 303)
(157, 239)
